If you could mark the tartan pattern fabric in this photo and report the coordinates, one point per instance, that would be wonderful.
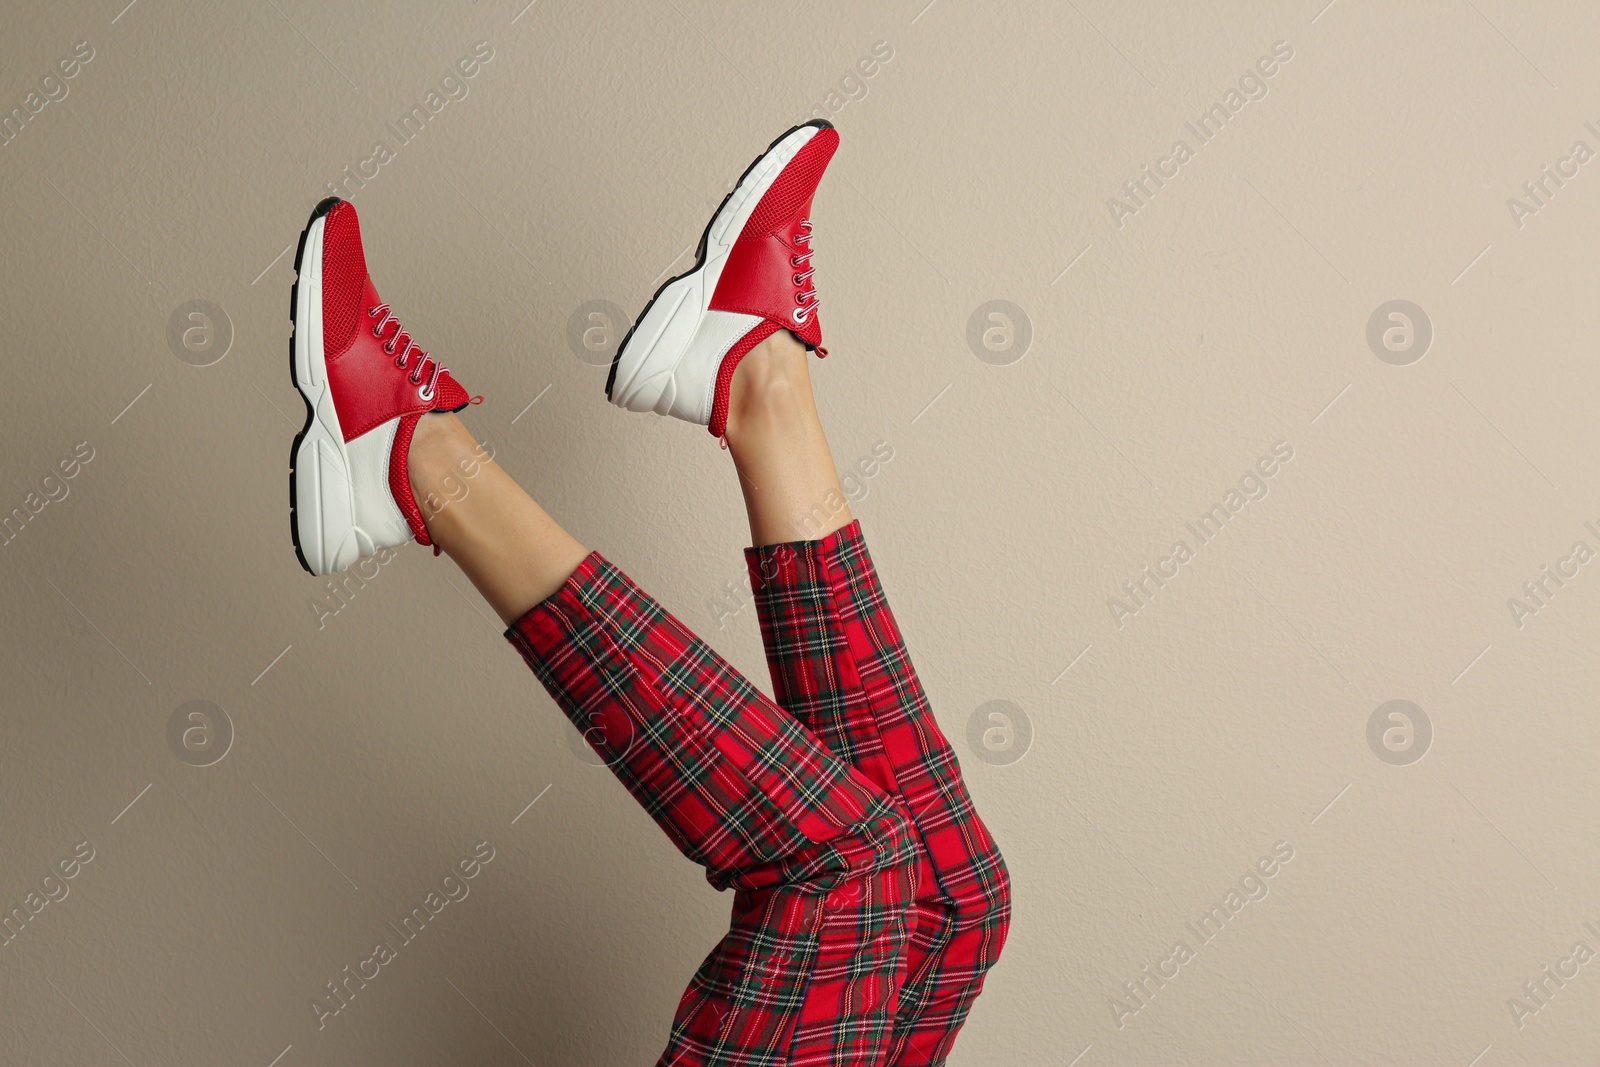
(840, 667)
(823, 863)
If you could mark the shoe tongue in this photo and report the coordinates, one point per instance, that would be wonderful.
(811, 333)
(448, 394)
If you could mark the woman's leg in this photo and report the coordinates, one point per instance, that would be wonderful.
(510, 548)
(823, 863)
(840, 667)
(775, 437)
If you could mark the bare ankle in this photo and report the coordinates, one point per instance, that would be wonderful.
(442, 451)
(437, 433)
(771, 388)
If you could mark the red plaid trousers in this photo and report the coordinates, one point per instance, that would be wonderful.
(869, 901)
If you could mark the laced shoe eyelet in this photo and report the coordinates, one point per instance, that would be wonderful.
(800, 316)
(426, 392)
(799, 280)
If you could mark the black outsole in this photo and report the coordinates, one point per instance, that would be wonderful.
(294, 299)
(705, 236)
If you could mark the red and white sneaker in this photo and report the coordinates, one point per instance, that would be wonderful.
(365, 384)
(752, 278)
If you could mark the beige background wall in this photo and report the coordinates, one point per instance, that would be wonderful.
(1171, 747)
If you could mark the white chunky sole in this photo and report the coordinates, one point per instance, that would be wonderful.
(321, 491)
(645, 374)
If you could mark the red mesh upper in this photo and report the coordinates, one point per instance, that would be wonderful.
(790, 195)
(730, 363)
(786, 203)
(811, 333)
(345, 299)
(448, 394)
(778, 215)
(344, 276)
(400, 478)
